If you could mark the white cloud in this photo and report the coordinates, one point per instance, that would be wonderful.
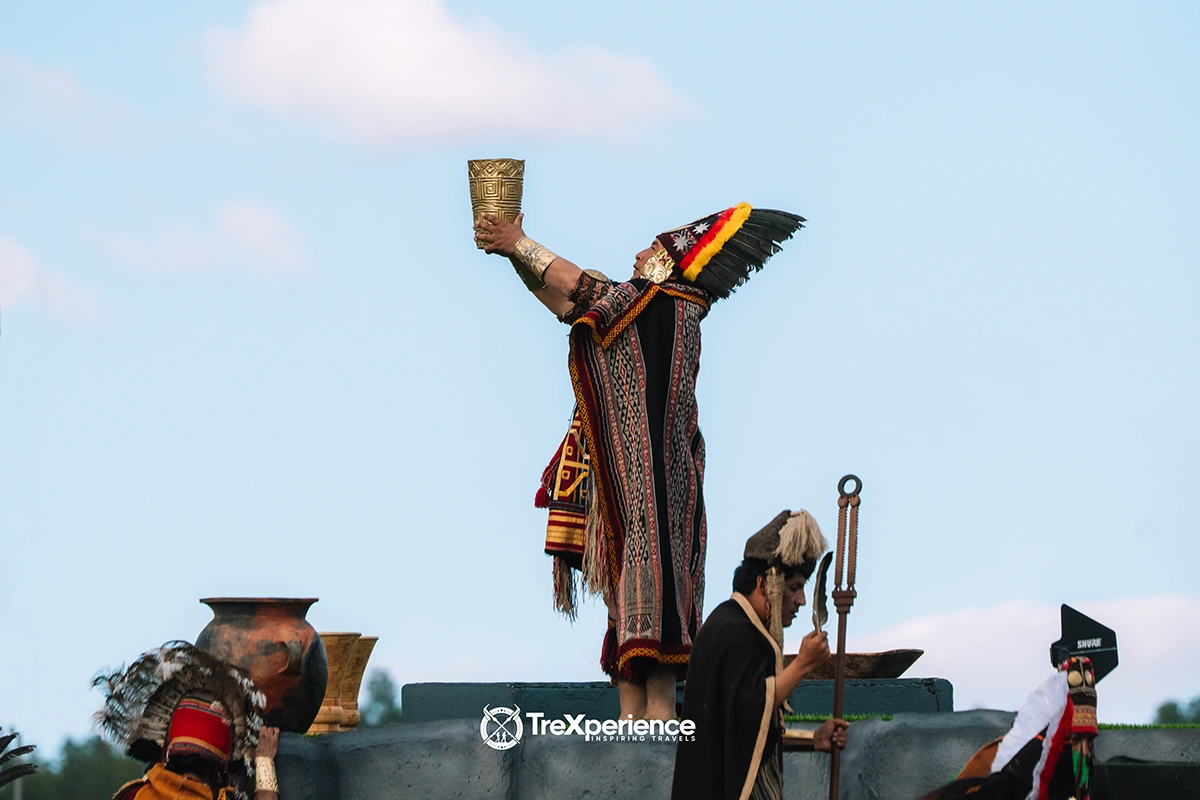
(262, 232)
(33, 96)
(239, 236)
(996, 656)
(408, 71)
(22, 276)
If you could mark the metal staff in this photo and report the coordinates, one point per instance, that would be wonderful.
(843, 598)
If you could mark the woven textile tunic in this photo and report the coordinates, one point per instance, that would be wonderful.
(625, 490)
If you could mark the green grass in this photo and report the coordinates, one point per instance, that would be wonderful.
(823, 717)
(1104, 726)
(1177, 726)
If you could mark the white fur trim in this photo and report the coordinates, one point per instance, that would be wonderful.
(800, 539)
(1043, 710)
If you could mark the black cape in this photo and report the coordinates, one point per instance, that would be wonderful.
(730, 695)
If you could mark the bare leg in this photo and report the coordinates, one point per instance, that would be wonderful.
(632, 695)
(660, 692)
(633, 699)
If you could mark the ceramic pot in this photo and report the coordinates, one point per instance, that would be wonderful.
(352, 681)
(270, 639)
(339, 647)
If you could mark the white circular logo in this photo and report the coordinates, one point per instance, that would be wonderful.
(500, 727)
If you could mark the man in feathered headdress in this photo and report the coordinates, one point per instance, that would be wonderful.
(196, 721)
(736, 681)
(624, 489)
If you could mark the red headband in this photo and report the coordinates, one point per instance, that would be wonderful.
(199, 727)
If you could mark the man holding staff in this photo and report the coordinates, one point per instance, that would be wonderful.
(737, 682)
(625, 488)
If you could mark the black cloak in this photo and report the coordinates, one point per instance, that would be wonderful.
(730, 695)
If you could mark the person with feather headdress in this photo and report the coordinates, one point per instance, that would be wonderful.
(625, 488)
(195, 721)
(1048, 752)
(737, 684)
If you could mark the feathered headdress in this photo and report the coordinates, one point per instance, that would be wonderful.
(719, 252)
(789, 540)
(139, 703)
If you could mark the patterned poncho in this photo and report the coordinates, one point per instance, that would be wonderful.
(625, 487)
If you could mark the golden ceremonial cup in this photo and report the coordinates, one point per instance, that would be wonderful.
(495, 188)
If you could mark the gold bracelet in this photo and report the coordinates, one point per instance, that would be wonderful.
(264, 775)
(533, 256)
(532, 282)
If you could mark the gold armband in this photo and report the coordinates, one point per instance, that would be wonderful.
(264, 775)
(533, 256)
(532, 282)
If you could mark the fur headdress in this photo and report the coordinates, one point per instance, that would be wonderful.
(789, 540)
(139, 703)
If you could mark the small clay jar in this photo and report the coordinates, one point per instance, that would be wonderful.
(270, 638)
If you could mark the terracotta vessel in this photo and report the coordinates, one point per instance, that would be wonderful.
(339, 647)
(270, 638)
(352, 681)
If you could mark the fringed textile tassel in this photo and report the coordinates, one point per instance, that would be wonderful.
(565, 599)
(775, 598)
(595, 561)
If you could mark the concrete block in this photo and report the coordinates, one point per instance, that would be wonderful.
(876, 696)
(425, 702)
(552, 767)
(914, 753)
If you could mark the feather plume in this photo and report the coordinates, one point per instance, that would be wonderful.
(15, 771)
(800, 539)
(759, 238)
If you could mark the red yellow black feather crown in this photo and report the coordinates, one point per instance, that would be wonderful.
(719, 252)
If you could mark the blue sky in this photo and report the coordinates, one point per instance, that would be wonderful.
(248, 347)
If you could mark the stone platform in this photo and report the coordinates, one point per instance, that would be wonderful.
(898, 759)
(428, 702)
(438, 751)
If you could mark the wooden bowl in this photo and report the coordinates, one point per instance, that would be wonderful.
(865, 666)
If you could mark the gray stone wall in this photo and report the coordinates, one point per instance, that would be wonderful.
(894, 760)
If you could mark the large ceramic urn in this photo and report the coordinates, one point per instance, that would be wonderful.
(270, 638)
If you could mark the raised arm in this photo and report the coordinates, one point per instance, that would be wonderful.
(814, 651)
(266, 787)
(507, 239)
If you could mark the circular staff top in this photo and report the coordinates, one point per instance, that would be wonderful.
(842, 486)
